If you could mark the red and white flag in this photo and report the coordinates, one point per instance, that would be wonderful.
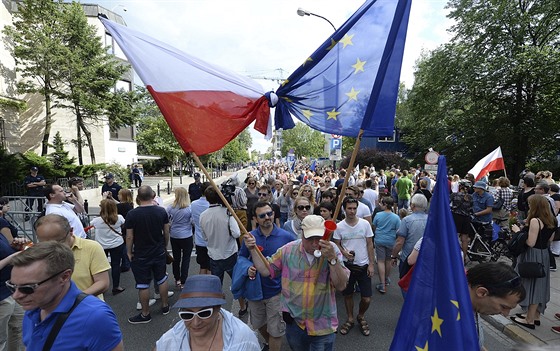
(491, 162)
(205, 106)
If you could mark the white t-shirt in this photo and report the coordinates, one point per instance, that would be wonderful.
(371, 195)
(353, 238)
(107, 238)
(66, 210)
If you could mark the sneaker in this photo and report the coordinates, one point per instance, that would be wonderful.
(553, 269)
(243, 312)
(265, 347)
(557, 316)
(165, 310)
(556, 330)
(388, 281)
(169, 294)
(380, 288)
(150, 303)
(140, 319)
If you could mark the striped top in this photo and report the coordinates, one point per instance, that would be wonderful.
(307, 292)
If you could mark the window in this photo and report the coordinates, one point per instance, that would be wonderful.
(390, 139)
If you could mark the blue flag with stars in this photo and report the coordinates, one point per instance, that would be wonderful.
(437, 314)
(351, 81)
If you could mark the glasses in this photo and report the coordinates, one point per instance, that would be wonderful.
(251, 183)
(267, 214)
(302, 207)
(202, 314)
(263, 194)
(28, 289)
(306, 190)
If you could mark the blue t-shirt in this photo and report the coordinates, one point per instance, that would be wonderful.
(91, 326)
(277, 238)
(180, 222)
(480, 203)
(412, 229)
(386, 226)
(5, 251)
(197, 207)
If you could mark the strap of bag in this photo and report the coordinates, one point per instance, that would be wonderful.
(110, 227)
(60, 322)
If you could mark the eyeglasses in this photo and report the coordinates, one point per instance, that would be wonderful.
(28, 289)
(202, 314)
(267, 214)
(251, 183)
(263, 194)
(302, 207)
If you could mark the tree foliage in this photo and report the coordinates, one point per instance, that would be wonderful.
(495, 84)
(379, 159)
(59, 158)
(305, 141)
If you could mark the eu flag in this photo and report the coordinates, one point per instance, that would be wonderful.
(437, 313)
(351, 81)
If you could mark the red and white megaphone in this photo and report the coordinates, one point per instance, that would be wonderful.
(330, 226)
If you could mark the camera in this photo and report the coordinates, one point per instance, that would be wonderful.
(228, 190)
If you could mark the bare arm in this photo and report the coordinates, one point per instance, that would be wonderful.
(339, 275)
(533, 232)
(129, 240)
(7, 234)
(371, 257)
(251, 245)
(100, 284)
(483, 212)
(396, 249)
(165, 234)
(413, 257)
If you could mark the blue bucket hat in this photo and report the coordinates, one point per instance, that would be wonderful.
(481, 185)
(201, 290)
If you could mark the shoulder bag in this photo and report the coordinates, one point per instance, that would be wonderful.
(518, 243)
(60, 322)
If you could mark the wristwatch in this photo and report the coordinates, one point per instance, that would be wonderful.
(333, 261)
(394, 257)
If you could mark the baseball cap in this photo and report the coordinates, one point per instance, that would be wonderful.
(197, 175)
(109, 175)
(313, 225)
(34, 168)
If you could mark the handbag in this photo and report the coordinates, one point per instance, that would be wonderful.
(518, 243)
(498, 203)
(169, 258)
(531, 270)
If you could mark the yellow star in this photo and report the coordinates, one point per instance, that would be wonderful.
(333, 44)
(436, 323)
(285, 82)
(353, 94)
(425, 348)
(309, 59)
(359, 65)
(287, 98)
(307, 114)
(332, 114)
(347, 40)
(456, 304)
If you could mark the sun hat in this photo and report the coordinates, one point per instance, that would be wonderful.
(480, 184)
(313, 225)
(201, 290)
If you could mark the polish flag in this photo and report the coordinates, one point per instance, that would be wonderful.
(491, 162)
(205, 106)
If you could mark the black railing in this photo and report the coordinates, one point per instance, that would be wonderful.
(18, 188)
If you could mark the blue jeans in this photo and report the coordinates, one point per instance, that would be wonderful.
(299, 340)
(403, 203)
(219, 267)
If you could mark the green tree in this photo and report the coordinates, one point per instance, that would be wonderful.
(35, 40)
(88, 78)
(305, 141)
(495, 84)
(59, 158)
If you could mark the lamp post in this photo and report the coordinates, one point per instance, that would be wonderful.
(303, 12)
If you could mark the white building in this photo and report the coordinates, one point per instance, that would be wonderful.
(22, 130)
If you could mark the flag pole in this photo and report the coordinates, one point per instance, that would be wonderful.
(349, 170)
(227, 204)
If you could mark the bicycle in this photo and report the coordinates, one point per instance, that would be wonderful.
(487, 247)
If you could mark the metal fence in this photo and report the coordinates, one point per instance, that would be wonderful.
(18, 188)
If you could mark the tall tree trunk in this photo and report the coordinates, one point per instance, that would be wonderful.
(48, 122)
(79, 141)
(87, 133)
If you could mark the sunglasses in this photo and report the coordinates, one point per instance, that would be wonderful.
(263, 194)
(28, 289)
(251, 183)
(266, 214)
(302, 207)
(202, 314)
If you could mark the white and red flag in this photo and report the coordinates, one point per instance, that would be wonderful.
(205, 106)
(491, 162)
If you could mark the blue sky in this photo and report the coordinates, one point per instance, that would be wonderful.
(266, 38)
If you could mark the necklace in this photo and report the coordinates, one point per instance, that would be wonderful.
(215, 332)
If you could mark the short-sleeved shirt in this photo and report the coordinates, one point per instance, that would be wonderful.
(386, 226)
(36, 191)
(197, 207)
(92, 326)
(195, 191)
(354, 238)
(404, 188)
(180, 222)
(5, 224)
(307, 291)
(147, 222)
(270, 244)
(114, 189)
(66, 210)
(480, 203)
(108, 238)
(461, 203)
(412, 229)
(90, 260)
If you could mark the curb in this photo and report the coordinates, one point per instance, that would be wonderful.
(512, 330)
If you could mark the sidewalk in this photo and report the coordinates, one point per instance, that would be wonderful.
(541, 335)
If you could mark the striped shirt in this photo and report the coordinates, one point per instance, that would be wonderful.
(307, 292)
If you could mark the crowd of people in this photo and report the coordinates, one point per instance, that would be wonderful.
(284, 263)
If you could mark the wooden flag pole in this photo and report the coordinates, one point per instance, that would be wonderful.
(349, 170)
(226, 203)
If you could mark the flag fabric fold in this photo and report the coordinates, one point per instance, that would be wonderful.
(205, 106)
(437, 314)
(351, 81)
(494, 161)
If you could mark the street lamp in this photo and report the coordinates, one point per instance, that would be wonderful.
(303, 12)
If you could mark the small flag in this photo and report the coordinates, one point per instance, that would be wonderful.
(491, 162)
